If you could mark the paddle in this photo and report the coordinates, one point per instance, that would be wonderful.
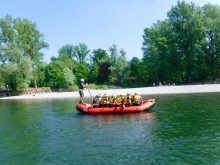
(90, 95)
(89, 91)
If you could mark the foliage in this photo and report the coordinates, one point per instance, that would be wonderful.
(68, 50)
(210, 46)
(96, 59)
(40, 75)
(120, 67)
(80, 71)
(185, 47)
(55, 74)
(186, 20)
(68, 76)
(17, 70)
(80, 52)
(72, 88)
(20, 45)
(70, 63)
(99, 55)
(157, 50)
(104, 73)
(94, 73)
(134, 63)
(97, 87)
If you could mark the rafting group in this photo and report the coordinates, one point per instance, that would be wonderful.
(121, 100)
(113, 101)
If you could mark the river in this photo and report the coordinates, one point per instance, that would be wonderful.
(180, 129)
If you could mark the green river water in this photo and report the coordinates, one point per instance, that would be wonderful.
(180, 129)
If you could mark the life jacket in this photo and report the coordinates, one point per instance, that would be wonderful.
(137, 98)
(128, 100)
(96, 100)
(104, 100)
(113, 100)
(81, 86)
(120, 100)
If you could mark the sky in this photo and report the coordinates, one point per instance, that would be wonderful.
(97, 23)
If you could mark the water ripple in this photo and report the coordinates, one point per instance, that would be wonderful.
(180, 129)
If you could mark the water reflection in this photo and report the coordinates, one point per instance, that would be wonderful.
(108, 119)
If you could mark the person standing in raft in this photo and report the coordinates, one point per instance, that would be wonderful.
(81, 88)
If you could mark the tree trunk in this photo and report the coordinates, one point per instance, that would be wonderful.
(35, 83)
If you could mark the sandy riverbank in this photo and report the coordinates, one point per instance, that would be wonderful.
(143, 91)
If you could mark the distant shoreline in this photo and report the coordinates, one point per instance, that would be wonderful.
(178, 89)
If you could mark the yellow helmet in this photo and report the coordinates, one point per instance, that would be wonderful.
(136, 93)
(114, 95)
(121, 94)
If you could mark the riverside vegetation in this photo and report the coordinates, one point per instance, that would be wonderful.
(184, 48)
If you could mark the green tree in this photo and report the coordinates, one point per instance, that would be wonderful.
(159, 52)
(31, 41)
(70, 63)
(120, 67)
(104, 73)
(113, 55)
(68, 76)
(80, 71)
(98, 56)
(17, 71)
(80, 52)
(41, 76)
(94, 73)
(211, 15)
(135, 67)
(186, 20)
(20, 47)
(55, 74)
(67, 50)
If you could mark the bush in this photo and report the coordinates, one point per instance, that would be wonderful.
(72, 88)
(96, 87)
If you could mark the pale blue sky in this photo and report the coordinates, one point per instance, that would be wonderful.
(97, 23)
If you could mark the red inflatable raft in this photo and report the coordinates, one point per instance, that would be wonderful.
(88, 108)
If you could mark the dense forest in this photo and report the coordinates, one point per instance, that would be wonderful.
(184, 48)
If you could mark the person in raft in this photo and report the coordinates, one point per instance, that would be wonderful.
(137, 99)
(105, 100)
(97, 100)
(81, 88)
(121, 100)
(113, 101)
(128, 100)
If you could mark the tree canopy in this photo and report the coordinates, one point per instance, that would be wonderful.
(20, 45)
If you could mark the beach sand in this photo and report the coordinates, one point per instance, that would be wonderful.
(178, 89)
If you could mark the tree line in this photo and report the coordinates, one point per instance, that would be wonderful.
(184, 48)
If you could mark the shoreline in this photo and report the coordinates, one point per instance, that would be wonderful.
(178, 89)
